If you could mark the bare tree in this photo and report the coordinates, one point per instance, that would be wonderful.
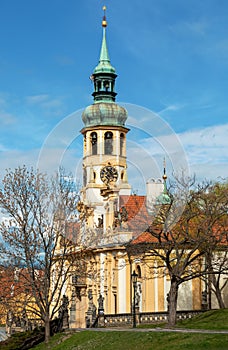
(37, 210)
(217, 278)
(212, 222)
(180, 242)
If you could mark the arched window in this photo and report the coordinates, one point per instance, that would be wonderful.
(93, 138)
(99, 85)
(85, 143)
(108, 142)
(121, 143)
(106, 85)
(138, 271)
(84, 176)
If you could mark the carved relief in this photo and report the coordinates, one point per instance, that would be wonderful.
(120, 217)
(85, 211)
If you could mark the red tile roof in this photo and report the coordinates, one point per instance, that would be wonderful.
(217, 237)
(144, 237)
(138, 217)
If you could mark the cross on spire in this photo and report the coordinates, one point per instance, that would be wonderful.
(104, 22)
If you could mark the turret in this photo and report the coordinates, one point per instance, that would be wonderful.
(164, 198)
(104, 111)
(104, 153)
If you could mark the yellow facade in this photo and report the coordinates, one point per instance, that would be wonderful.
(109, 275)
(104, 229)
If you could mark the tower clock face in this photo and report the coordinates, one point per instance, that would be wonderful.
(108, 174)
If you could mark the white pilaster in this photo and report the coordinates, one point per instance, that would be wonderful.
(102, 273)
(155, 288)
(122, 285)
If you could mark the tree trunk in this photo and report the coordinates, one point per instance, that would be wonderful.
(209, 291)
(47, 329)
(219, 298)
(172, 302)
(218, 293)
(215, 282)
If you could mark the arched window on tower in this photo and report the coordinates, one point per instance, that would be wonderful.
(98, 85)
(85, 150)
(122, 175)
(93, 138)
(106, 85)
(108, 142)
(84, 176)
(121, 144)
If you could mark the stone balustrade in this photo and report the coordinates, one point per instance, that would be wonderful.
(126, 320)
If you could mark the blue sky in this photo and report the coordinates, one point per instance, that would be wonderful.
(171, 58)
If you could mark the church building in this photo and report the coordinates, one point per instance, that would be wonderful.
(111, 216)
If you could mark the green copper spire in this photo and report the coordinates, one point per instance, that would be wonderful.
(104, 57)
(164, 197)
(104, 74)
(104, 65)
(104, 110)
(104, 49)
(164, 178)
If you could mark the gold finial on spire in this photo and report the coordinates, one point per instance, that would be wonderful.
(164, 171)
(104, 22)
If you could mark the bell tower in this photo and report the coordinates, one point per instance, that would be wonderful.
(104, 149)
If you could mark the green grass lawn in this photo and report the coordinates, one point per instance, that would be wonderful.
(114, 340)
(145, 340)
(215, 319)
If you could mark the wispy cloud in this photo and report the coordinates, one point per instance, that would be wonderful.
(197, 27)
(47, 103)
(221, 49)
(172, 107)
(205, 147)
(37, 99)
(51, 160)
(6, 118)
(2, 148)
(208, 145)
(202, 151)
(14, 158)
(64, 60)
(2, 102)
